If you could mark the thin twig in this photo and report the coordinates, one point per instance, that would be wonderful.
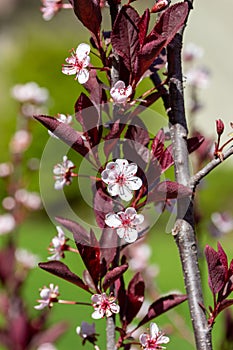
(195, 179)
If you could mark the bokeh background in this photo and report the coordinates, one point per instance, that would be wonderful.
(33, 50)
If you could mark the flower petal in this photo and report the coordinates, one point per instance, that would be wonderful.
(122, 163)
(154, 330)
(143, 339)
(131, 234)
(121, 232)
(97, 314)
(113, 189)
(83, 76)
(82, 51)
(134, 183)
(125, 193)
(114, 308)
(112, 220)
(139, 218)
(131, 169)
(130, 212)
(69, 70)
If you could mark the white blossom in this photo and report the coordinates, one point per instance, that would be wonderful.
(26, 258)
(104, 305)
(120, 178)
(48, 296)
(78, 62)
(7, 223)
(57, 245)
(154, 339)
(125, 223)
(120, 92)
(63, 173)
(30, 92)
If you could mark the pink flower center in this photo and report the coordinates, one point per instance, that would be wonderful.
(121, 179)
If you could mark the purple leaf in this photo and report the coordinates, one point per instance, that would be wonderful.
(135, 297)
(89, 13)
(113, 275)
(80, 234)
(87, 115)
(143, 26)
(194, 143)
(224, 304)
(216, 270)
(138, 132)
(59, 269)
(113, 137)
(157, 146)
(103, 204)
(166, 159)
(162, 305)
(125, 36)
(223, 257)
(108, 243)
(169, 190)
(7, 264)
(67, 134)
(163, 32)
(90, 255)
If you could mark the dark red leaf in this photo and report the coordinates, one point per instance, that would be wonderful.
(216, 270)
(143, 24)
(231, 268)
(224, 304)
(64, 132)
(113, 137)
(194, 143)
(125, 36)
(7, 264)
(89, 13)
(80, 234)
(223, 257)
(91, 257)
(169, 190)
(166, 159)
(108, 244)
(87, 115)
(162, 305)
(103, 204)
(113, 275)
(135, 297)
(164, 31)
(138, 132)
(59, 269)
(157, 146)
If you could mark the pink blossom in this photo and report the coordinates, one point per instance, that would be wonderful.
(63, 173)
(120, 92)
(78, 63)
(7, 223)
(154, 339)
(198, 77)
(192, 52)
(104, 306)
(125, 223)
(26, 258)
(120, 178)
(48, 297)
(57, 245)
(30, 92)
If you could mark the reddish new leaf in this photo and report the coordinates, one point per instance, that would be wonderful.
(138, 132)
(224, 304)
(135, 297)
(59, 269)
(125, 36)
(162, 305)
(194, 143)
(89, 13)
(113, 275)
(216, 270)
(108, 244)
(166, 159)
(64, 132)
(49, 335)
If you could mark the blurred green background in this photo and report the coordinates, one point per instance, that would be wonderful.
(33, 50)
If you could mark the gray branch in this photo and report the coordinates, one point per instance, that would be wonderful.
(184, 228)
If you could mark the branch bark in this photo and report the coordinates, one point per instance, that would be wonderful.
(184, 228)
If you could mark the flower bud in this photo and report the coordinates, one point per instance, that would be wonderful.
(219, 126)
(160, 5)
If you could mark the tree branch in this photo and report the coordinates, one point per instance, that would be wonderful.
(195, 179)
(184, 228)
